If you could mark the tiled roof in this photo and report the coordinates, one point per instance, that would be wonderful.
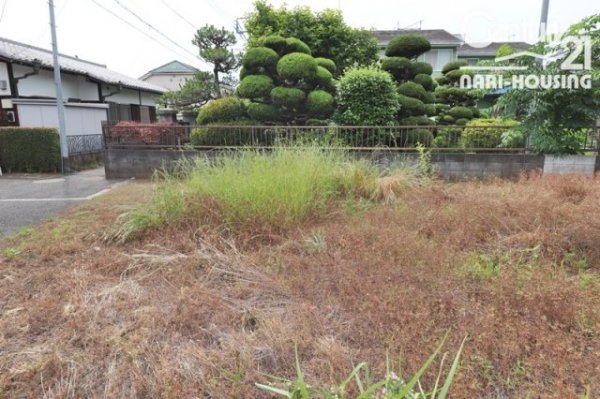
(489, 49)
(26, 54)
(437, 37)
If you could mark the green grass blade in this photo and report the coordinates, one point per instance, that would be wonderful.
(453, 369)
(276, 391)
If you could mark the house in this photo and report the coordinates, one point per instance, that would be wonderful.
(444, 45)
(170, 76)
(472, 53)
(92, 93)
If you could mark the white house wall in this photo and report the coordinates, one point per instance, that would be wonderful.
(42, 85)
(128, 96)
(171, 82)
(5, 89)
(80, 119)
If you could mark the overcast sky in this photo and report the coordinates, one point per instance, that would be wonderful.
(135, 36)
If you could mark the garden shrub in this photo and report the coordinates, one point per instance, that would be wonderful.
(274, 42)
(155, 133)
(408, 46)
(461, 112)
(410, 105)
(429, 98)
(453, 65)
(400, 68)
(412, 89)
(366, 96)
(265, 113)
(447, 137)
(424, 80)
(258, 58)
(297, 66)
(255, 86)
(324, 78)
(289, 97)
(462, 121)
(294, 45)
(414, 136)
(226, 134)
(456, 74)
(417, 121)
(29, 150)
(320, 103)
(223, 109)
(423, 68)
(490, 136)
(327, 64)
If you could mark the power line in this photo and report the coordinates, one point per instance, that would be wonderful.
(140, 31)
(178, 14)
(3, 9)
(153, 28)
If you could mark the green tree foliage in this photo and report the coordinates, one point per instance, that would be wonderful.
(366, 96)
(224, 109)
(558, 118)
(324, 32)
(213, 44)
(407, 46)
(195, 92)
(460, 103)
(292, 90)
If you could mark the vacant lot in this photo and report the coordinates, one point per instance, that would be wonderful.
(197, 309)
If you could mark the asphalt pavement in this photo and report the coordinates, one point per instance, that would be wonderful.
(28, 199)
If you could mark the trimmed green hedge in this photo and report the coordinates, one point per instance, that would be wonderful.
(29, 150)
(248, 132)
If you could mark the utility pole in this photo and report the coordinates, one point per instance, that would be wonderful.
(60, 106)
(544, 19)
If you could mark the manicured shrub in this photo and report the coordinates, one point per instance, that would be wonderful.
(257, 59)
(408, 46)
(400, 68)
(289, 97)
(414, 136)
(412, 89)
(417, 121)
(319, 103)
(424, 80)
(297, 66)
(294, 45)
(29, 150)
(255, 86)
(462, 121)
(423, 68)
(447, 137)
(486, 133)
(366, 96)
(456, 74)
(429, 98)
(243, 73)
(410, 105)
(275, 42)
(453, 65)
(327, 64)
(461, 112)
(317, 122)
(236, 133)
(454, 96)
(324, 78)
(223, 109)
(265, 113)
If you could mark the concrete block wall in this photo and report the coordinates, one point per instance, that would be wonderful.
(580, 164)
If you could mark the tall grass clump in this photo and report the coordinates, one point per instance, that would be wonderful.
(254, 189)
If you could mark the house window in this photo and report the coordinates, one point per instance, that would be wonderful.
(438, 58)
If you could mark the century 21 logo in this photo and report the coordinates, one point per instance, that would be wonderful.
(582, 45)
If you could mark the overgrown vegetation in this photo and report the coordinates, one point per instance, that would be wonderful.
(29, 150)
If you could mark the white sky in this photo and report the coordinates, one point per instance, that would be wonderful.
(86, 29)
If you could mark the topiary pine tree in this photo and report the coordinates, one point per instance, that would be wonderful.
(285, 83)
(455, 105)
(415, 85)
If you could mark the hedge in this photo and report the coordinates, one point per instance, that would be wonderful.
(29, 150)
(226, 134)
(223, 109)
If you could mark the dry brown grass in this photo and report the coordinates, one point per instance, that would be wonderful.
(189, 312)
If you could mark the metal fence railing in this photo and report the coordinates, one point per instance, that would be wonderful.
(85, 144)
(492, 139)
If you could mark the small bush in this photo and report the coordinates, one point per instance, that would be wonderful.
(275, 42)
(488, 137)
(400, 68)
(414, 136)
(29, 149)
(417, 121)
(408, 46)
(255, 86)
(424, 68)
(462, 121)
(456, 74)
(265, 113)
(236, 133)
(327, 64)
(410, 105)
(461, 112)
(320, 103)
(260, 58)
(223, 109)
(293, 45)
(412, 89)
(324, 78)
(429, 98)
(289, 97)
(424, 80)
(135, 132)
(451, 66)
(297, 66)
(447, 137)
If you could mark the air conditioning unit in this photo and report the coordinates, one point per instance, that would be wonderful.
(3, 85)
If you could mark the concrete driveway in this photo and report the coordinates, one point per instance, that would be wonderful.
(29, 199)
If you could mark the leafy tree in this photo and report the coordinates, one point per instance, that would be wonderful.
(325, 33)
(559, 117)
(196, 91)
(214, 44)
(455, 105)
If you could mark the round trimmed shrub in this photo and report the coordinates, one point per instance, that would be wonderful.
(455, 74)
(429, 98)
(442, 80)
(401, 68)
(258, 58)
(417, 121)
(319, 103)
(327, 64)
(424, 80)
(255, 86)
(289, 97)
(294, 45)
(324, 78)
(461, 113)
(462, 121)
(223, 109)
(297, 66)
(226, 134)
(448, 119)
(275, 42)
(265, 112)
(412, 89)
(424, 68)
(410, 105)
(414, 136)
(408, 46)
(453, 65)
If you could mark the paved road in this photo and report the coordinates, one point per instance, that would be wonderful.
(29, 199)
